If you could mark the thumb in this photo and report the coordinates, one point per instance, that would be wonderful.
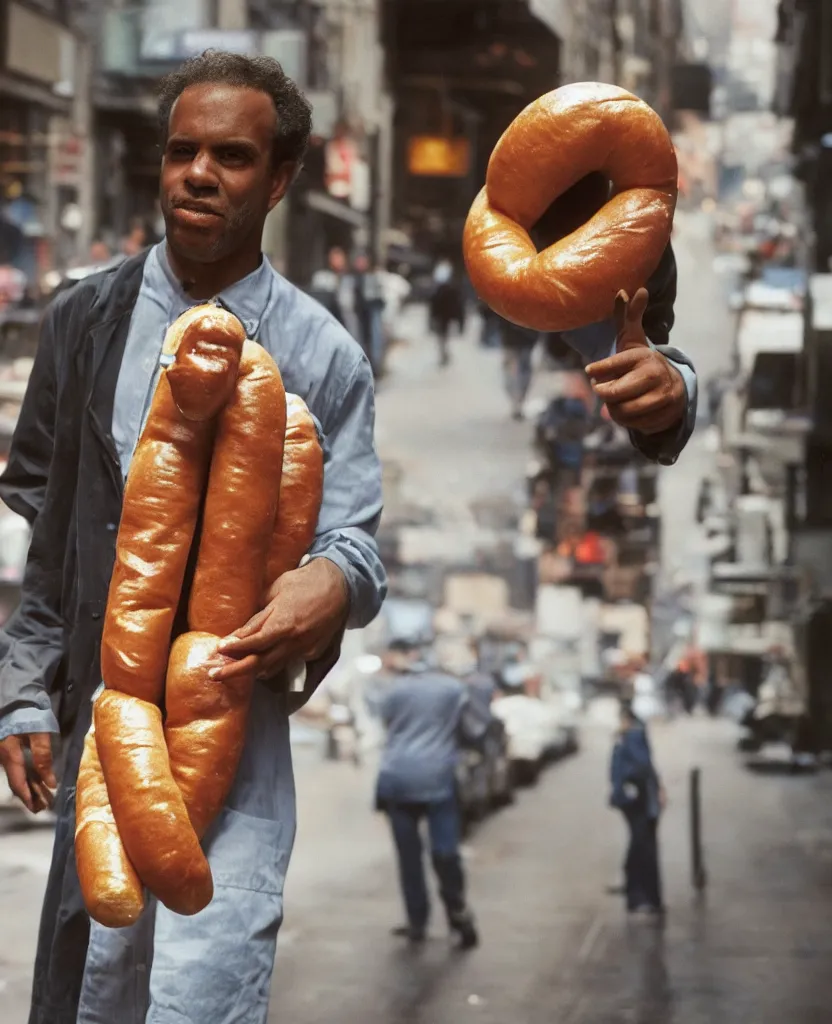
(628, 320)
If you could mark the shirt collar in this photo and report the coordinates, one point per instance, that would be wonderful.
(246, 298)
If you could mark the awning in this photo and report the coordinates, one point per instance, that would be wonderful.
(323, 203)
(34, 93)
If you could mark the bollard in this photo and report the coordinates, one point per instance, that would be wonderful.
(698, 874)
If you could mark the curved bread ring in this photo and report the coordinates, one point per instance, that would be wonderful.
(554, 143)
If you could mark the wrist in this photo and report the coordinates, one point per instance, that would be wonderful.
(331, 576)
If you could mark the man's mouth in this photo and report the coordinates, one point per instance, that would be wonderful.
(195, 212)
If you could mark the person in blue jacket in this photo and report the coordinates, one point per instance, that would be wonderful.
(638, 793)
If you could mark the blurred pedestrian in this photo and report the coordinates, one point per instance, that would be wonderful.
(637, 792)
(427, 715)
(12, 286)
(136, 238)
(446, 308)
(99, 253)
(518, 345)
(368, 303)
(327, 284)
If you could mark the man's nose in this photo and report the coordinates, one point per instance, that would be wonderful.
(201, 173)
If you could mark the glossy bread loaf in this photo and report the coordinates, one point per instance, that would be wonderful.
(301, 491)
(241, 503)
(554, 143)
(111, 888)
(147, 805)
(217, 430)
(162, 497)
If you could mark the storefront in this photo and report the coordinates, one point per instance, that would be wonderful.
(37, 57)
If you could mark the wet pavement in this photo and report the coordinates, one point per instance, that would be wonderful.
(555, 947)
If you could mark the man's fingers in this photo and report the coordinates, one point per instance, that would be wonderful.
(638, 307)
(628, 318)
(650, 400)
(253, 626)
(630, 386)
(622, 302)
(616, 366)
(41, 746)
(236, 669)
(11, 757)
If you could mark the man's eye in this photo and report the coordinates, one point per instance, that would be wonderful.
(181, 151)
(233, 156)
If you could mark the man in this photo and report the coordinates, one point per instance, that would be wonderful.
(327, 284)
(368, 302)
(446, 307)
(648, 387)
(638, 794)
(518, 344)
(234, 130)
(427, 715)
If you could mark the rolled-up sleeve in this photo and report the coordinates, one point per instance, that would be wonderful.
(352, 501)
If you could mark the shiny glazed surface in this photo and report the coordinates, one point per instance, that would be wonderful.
(551, 145)
(205, 727)
(109, 884)
(241, 503)
(147, 804)
(301, 491)
(208, 342)
(162, 497)
(165, 784)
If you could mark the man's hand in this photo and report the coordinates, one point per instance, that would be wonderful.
(306, 610)
(642, 390)
(33, 794)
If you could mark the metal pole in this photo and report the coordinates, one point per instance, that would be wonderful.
(699, 876)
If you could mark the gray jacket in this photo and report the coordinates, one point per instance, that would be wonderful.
(428, 716)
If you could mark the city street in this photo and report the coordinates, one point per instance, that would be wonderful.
(555, 946)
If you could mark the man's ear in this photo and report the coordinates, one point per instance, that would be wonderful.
(282, 178)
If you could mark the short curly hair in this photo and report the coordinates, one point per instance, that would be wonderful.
(217, 67)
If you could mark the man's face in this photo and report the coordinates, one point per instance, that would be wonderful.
(219, 179)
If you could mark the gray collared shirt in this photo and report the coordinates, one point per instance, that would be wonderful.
(318, 361)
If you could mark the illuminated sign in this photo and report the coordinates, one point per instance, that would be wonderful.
(432, 156)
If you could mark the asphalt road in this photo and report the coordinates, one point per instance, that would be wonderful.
(555, 946)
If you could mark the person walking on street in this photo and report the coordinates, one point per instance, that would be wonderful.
(428, 716)
(518, 344)
(369, 310)
(447, 307)
(639, 795)
(234, 130)
(327, 284)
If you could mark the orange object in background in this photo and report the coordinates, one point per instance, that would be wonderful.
(590, 550)
(433, 156)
